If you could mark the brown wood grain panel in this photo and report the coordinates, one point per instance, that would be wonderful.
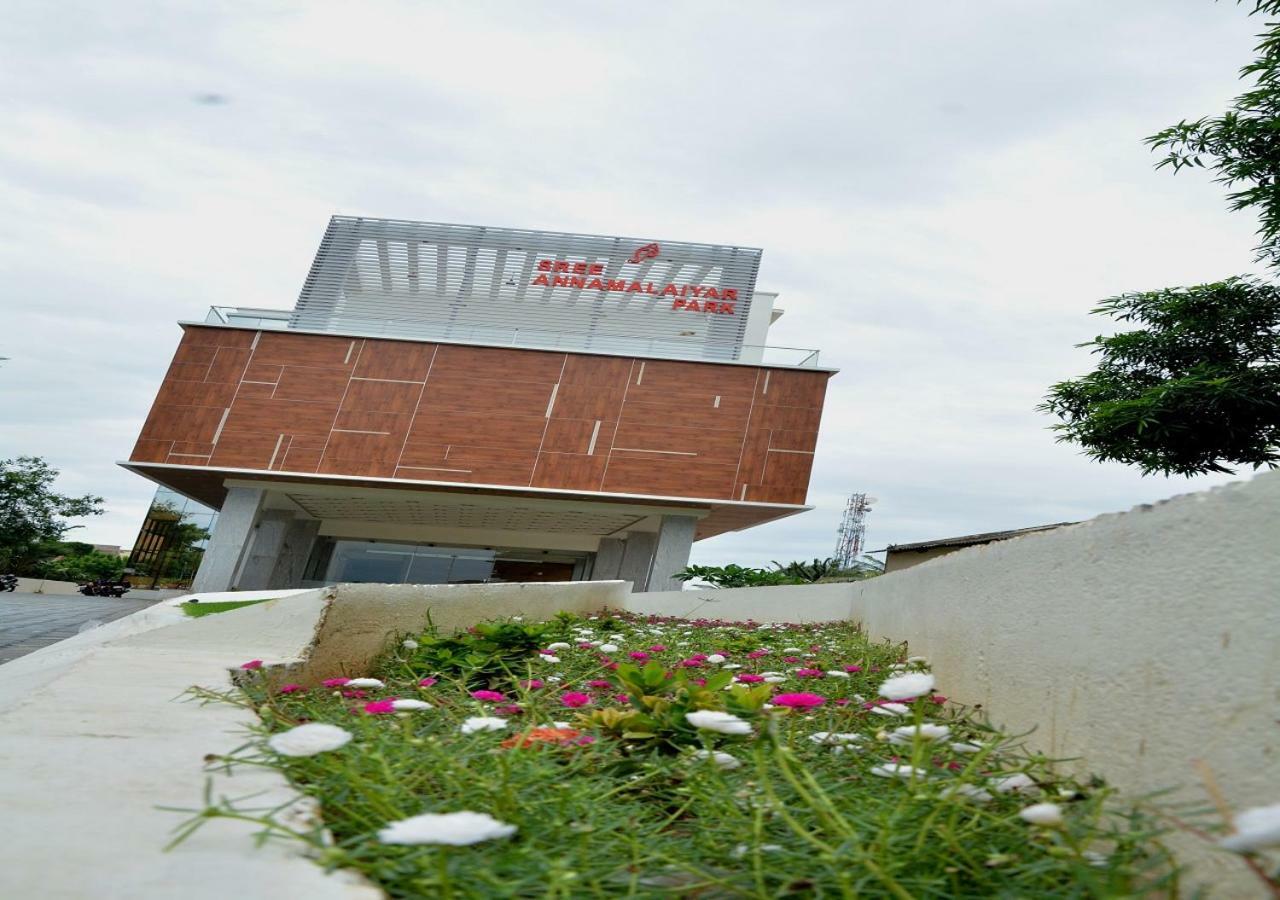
(182, 423)
(682, 476)
(189, 371)
(396, 360)
(370, 467)
(228, 365)
(249, 414)
(260, 371)
(174, 392)
(585, 400)
(663, 377)
(463, 363)
(785, 418)
(791, 388)
(392, 423)
(217, 337)
(312, 383)
(431, 455)
(708, 443)
(281, 349)
(492, 465)
(569, 471)
(476, 429)
(310, 440)
(574, 435)
(375, 447)
(671, 411)
(601, 371)
(149, 450)
(191, 448)
(301, 459)
(251, 390)
(516, 397)
(382, 396)
(754, 452)
(782, 439)
(244, 449)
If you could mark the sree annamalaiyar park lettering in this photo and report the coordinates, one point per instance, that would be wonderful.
(586, 276)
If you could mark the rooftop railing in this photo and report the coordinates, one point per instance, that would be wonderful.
(529, 338)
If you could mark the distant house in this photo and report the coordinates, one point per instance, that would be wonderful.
(904, 556)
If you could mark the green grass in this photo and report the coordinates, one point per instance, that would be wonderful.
(636, 814)
(196, 610)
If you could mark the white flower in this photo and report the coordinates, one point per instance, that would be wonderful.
(483, 723)
(836, 673)
(722, 760)
(364, 683)
(968, 792)
(917, 659)
(731, 666)
(555, 678)
(792, 650)
(715, 659)
(558, 645)
(897, 770)
(309, 739)
(402, 705)
(835, 737)
(548, 659)
(1042, 814)
(1255, 828)
(846, 748)
(891, 709)
(927, 730)
(913, 684)
(608, 648)
(962, 747)
(742, 850)
(714, 720)
(409, 644)
(1019, 783)
(457, 829)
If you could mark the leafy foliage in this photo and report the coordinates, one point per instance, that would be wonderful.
(486, 652)
(1198, 389)
(88, 566)
(32, 512)
(799, 572)
(732, 576)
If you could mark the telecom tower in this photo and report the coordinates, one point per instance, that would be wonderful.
(851, 534)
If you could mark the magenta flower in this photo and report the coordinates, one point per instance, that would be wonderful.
(574, 699)
(355, 694)
(691, 663)
(252, 664)
(584, 645)
(699, 657)
(335, 682)
(658, 648)
(799, 701)
(380, 707)
(611, 666)
(843, 701)
(600, 684)
(622, 698)
(638, 655)
(810, 673)
(756, 654)
(791, 659)
(511, 709)
(491, 696)
(533, 684)
(748, 678)
(291, 688)
(853, 668)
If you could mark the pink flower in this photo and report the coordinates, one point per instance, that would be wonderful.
(809, 673)
(611, 666)
(853, 668)
(691, 663)
(639, 655)
(622, 698)
(938, 699)
(584, 645)
(658, 648)
(574, 699)
(799, 701)
(699, 657)
(748, 678)
(532, 684)
(335, 682)
(547, 652)
(756, 654)
(843, 701)
(291, 688)
(426, 682)
(252, 664)
(492, 696)
(791, 659)
(355, 695)
(380, 707)
(600, 684)
(510, 709)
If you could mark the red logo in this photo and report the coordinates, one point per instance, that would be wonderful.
(648, 251)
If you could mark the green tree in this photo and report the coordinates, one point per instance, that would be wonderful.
(32, 513)
(1196, 388)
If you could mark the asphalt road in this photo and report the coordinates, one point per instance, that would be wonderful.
(31, 621)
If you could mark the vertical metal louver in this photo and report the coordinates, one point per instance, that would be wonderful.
(529, 288)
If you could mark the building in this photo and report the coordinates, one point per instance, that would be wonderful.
(171, 542)
(904, 556)
(450, 403)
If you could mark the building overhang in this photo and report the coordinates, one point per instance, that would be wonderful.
(614, 512)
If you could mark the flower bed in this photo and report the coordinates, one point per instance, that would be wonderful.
(622, 756)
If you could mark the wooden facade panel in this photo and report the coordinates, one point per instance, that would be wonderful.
(311, 383)
(395, 360)
(386, 408)
(570, 471)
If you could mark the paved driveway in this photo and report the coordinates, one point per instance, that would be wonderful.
(31, 621)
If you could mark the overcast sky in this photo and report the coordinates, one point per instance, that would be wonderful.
(942, 190)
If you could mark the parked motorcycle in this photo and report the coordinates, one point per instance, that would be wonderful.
(8, 583)
(105, 587)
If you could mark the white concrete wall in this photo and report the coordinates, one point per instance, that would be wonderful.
(1139, 642)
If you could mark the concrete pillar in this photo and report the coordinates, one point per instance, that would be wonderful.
(671, 554)
(229, 541)
(637, 557)
(608, 559)
(295, 552)
(264, 549)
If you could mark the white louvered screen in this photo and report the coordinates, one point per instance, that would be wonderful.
(529, 288)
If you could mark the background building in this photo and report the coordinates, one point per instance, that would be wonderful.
(454, 403)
